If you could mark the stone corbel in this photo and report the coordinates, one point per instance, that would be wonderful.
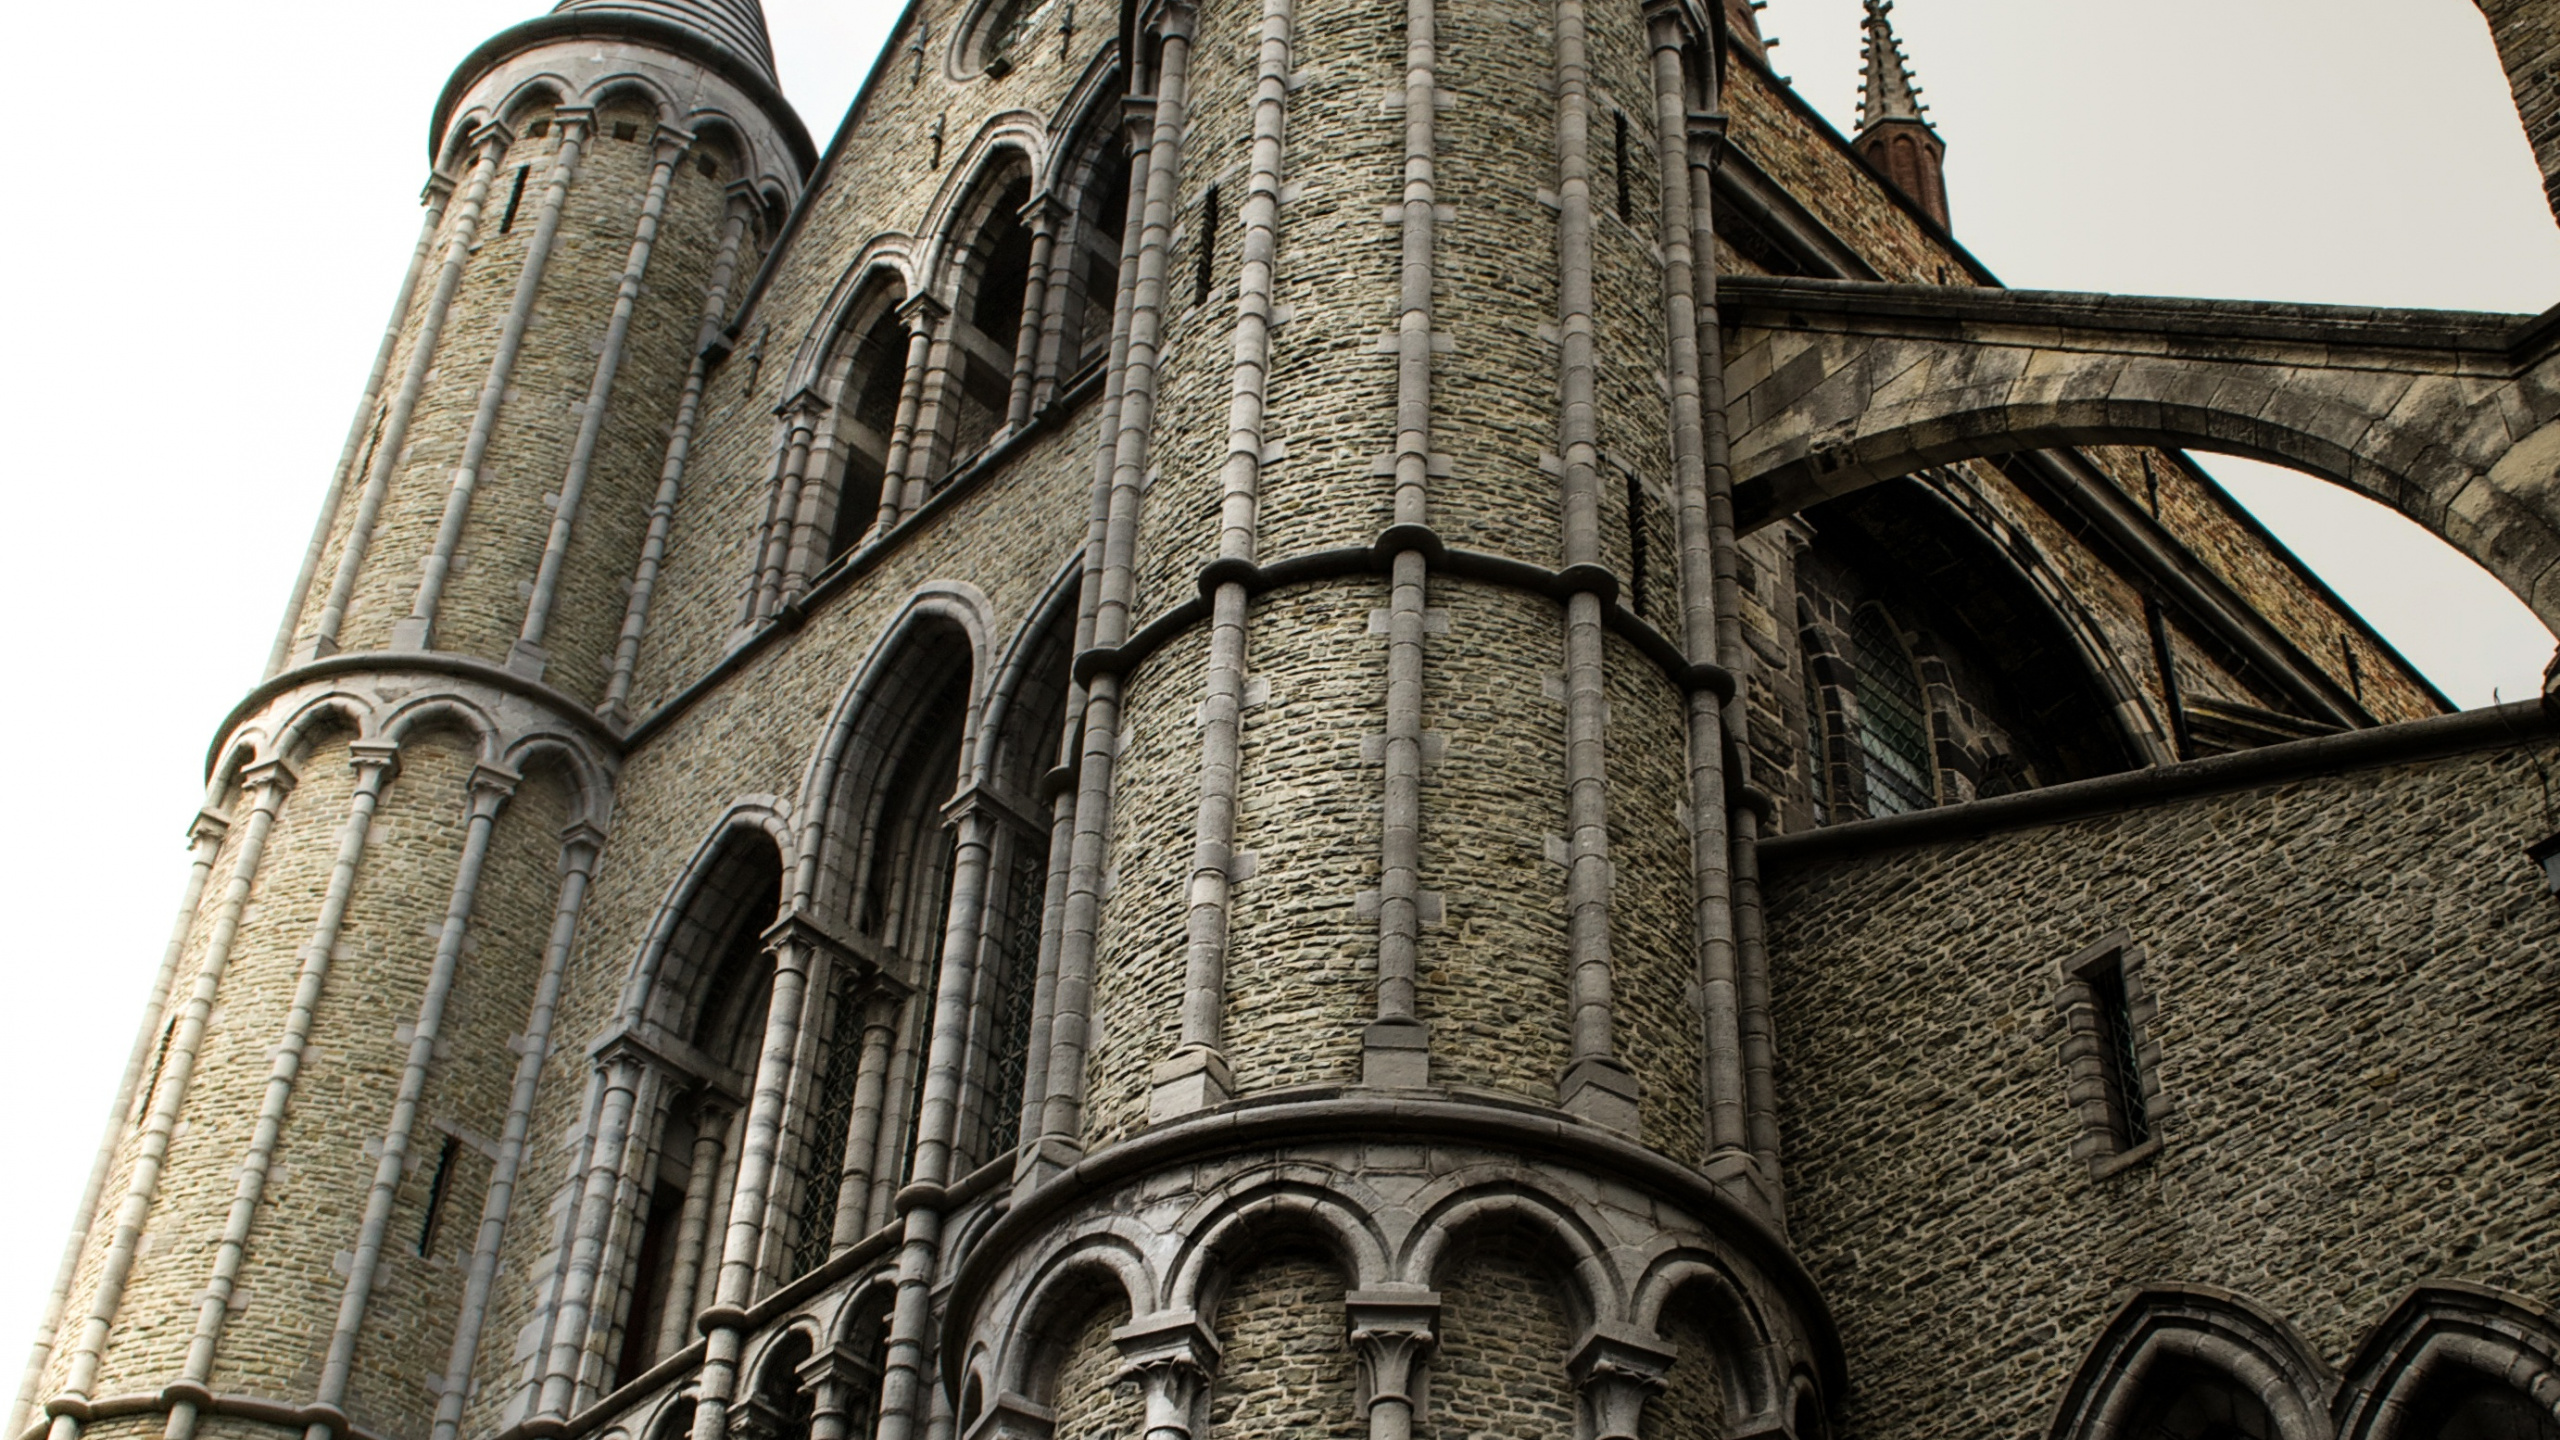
(1138, 119)
(922, 314)
(278, 775)
(579, 117)
(209, 827)
(1618, 1368)
(1707, 135)
(670, 138)
(802, 407)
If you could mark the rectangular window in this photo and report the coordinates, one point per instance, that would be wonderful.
(1626, 196)
(1208, 259)
(2110, 1062)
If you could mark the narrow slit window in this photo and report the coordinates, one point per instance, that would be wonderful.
(1635, 545)
(515, 200)
(436, 1188)
(1208, 247)
(2121, 1065)
(1626, 195)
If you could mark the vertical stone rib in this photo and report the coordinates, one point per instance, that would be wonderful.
(662, 508)
(1711, 899)
(439, 192)
(1595, 1085)
(492, 140)
(902, 1378)
(693, 1229)
(418, 631)
(922, 314)
(862, 1126)
(1744, 805)
(489, 791)
(1049, 986)
(1042, 215)
(205, 838)
(573, 487)
(1062, 1116)
(1395, 1048)
(579, 847)
(374, 762)
(268, 784)
(592, 1217)
(800, 414)
(1196, 1077)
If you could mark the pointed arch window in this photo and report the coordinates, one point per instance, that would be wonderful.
(1893, 718)
(866, 412)
(986, 325)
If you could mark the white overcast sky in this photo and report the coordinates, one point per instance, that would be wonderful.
(215, 205)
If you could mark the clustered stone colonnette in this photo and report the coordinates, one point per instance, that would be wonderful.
(1335, 718)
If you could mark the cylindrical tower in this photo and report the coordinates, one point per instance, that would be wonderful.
(294, 1225)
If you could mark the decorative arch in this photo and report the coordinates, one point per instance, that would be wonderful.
(1062, 1293)
(1684, 1278)
(454, 711)
(983, 259)
(1486, 1200)
(701, 914)
(1231, 1227)
(616, 85)
(2455, 1362)
(2179, 1357)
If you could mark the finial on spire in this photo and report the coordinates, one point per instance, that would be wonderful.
(1894, 132)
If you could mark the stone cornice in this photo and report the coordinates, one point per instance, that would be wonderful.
(2444, 735)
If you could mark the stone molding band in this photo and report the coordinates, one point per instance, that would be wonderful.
(284, 1416)
(1378, 559)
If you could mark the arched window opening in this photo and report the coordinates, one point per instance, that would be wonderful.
(1893, 720)
(2186, 1400)
(1093, 278)
(717, 951)
(2468, 1405)
(987, 323)
(866, 412)
(995, 35)
(781, 1407)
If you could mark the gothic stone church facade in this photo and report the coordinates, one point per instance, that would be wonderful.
(1336, 717)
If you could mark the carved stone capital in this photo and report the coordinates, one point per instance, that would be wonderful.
(1014, 1417)
(1170, 1356)
(1392, 1331)
(273, 775)
(802, 408)
(208, 828)
(492, 783)
(922, 313)
(1618, 1368)
(382, 755)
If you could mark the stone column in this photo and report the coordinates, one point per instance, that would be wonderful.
(491, 141)
(579, 846)
(418, 631)
(922, 315)
(862, 1127)
(206, 844)
(623, 1064)
(1058, 994)
(1064, 1090)
(791, 942)
(439, 192)
(1596, 1085)
(1395, 1047)
(903, 1380)
(374, 762)
(489, 789)
(1392, 1333)
(1617, 1369)
(799, 415)
(693, 1225)
(932, 392)
(662, 508)
(527, 657)
(1043, 214)
(1170, 1357)
(266, 785)
(1710, 845)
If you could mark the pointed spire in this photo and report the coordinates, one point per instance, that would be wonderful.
(1887, 93)
(1894, 132)
(735, 27)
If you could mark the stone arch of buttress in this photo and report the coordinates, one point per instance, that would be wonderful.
(2452, 420)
